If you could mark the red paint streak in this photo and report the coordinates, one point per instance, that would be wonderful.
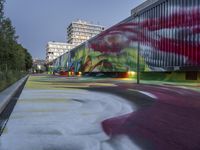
(189, 18)
(120, 36)
(172, 122)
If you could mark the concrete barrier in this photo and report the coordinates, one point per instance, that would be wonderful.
(7, 94)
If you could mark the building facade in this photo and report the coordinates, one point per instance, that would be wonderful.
(165, 34)
(56, 49)
(169, 34)
(81, 31)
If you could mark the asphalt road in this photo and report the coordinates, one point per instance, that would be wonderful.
(102, 114)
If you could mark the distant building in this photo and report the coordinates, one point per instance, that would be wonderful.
(77, 32)
(81, 31)
(38, 66)
(56, 49)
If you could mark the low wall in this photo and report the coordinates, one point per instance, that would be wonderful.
(7, 94)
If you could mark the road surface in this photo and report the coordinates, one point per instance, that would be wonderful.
(55, 113)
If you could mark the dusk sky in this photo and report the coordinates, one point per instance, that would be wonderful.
(40, 21)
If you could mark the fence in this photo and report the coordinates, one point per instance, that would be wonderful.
(8, 76)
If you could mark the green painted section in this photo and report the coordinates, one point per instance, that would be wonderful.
(45, 82)
(58, 83)
(167, 77)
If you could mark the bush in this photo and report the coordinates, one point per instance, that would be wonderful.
(10, 77)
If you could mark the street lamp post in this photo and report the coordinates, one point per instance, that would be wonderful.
(138, 54)
(138, 63)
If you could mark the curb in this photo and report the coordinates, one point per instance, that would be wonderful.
(7, 94)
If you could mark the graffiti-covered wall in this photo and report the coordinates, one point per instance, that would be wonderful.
(167, 35)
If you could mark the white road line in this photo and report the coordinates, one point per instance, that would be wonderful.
(145, 93)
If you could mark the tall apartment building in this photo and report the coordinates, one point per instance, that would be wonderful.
(81, 31)
(77, 32)
(55, 49)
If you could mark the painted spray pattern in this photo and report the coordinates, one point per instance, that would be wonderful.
(169, 37)
(156, 41)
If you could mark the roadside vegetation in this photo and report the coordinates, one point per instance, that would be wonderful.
(15, 60)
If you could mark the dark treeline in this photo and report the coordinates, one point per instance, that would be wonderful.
(14, 58)
(12, 55)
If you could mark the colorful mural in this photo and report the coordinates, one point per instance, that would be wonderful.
(168, 37)
(108, 52)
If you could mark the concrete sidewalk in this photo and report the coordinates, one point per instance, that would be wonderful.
(52, 114)
(59, 113)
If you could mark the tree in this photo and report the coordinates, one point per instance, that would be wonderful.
(12, 55)
(1, 10)
(28, 60)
